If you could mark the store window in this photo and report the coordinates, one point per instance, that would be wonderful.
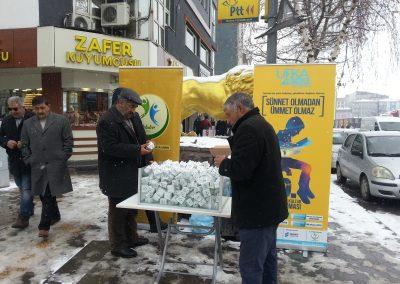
(26, 94)
(84, 108)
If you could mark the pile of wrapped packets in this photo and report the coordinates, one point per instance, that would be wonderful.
(184, 184)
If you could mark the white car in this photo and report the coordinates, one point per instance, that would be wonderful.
(380, 123)
(372, 159)
(339, 136)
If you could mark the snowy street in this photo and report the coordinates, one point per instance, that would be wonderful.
(364, 245)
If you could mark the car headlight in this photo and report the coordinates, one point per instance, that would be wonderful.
(381, 172)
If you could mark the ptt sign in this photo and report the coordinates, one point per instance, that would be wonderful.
(241, 11)
(238, 11)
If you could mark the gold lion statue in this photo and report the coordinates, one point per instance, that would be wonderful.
(208, 94)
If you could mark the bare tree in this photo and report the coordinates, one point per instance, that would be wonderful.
(334, 31)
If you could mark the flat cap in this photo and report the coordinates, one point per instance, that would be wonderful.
(127, 94)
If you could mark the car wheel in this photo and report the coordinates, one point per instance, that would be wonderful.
(339, 176)
(364, 187)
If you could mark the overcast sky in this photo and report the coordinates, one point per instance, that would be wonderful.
(377, 73)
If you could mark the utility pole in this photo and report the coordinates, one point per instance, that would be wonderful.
(272, 41)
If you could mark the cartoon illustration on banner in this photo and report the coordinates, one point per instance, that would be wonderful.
(298, 101)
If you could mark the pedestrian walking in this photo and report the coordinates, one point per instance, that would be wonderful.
(47, 144)
(10, 139)
(258, 193)
(121, 153)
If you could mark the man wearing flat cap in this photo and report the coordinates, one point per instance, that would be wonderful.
(121, 143)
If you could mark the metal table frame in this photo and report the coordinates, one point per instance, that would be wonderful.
(133, 203)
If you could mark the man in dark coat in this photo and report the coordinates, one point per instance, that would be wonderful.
(258, 193)
(47, 144)
(121, 152)
(221, 128)
(10, 139)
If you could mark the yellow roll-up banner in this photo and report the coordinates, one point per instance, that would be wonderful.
(299, 101)
(160, 89)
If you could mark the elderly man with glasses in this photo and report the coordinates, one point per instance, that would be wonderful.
(122, 149)
(10, 139)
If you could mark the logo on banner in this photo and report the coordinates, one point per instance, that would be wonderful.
(294, 77)
(154, 114)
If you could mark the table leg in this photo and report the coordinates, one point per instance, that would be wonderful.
(218, 236)
(158, 224)
(161, 271)
(216, 251)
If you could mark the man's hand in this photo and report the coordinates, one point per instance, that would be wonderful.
(143, 150)
(12, 144)
(19, 144)
(218, 160)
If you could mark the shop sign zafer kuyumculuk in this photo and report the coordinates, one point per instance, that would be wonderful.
(230, 11)
(298, 100)
(81, 50)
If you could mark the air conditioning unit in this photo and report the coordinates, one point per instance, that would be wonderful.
(115, 14)
(79, 21)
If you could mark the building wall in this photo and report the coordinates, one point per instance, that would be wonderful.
(19, 14)
(175, 35)
(227, 45)
(52, 12)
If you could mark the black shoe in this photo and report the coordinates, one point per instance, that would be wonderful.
(140, 242)
(153, 228)
(124, 252)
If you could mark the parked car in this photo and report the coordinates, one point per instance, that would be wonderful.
(339, 136)
(372, 159)
(380, 123)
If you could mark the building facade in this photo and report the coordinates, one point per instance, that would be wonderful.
(191, 34)
(70, 52)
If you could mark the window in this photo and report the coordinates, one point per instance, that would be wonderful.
(159, 15)
(205, 55)
(84, 108)
(213, 17)
(357, 144)
(191, 40)
(204, 72)
(349, 141)
(212, 65)
(167, 14)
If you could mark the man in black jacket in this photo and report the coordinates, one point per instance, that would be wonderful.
(258, 193)
(10, 139)
(121, 150)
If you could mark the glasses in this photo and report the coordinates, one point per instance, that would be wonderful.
(13, 108)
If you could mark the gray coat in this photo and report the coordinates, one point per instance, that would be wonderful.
(47, 152)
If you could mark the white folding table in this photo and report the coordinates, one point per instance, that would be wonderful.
(133, 203)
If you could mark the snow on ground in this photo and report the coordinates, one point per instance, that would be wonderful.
(363, 246)
(12, 186)
(380, 227)
(83, 214)
(203, 142)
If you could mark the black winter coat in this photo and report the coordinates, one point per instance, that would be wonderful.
(258, 191)
(9, 131)
(119, 154)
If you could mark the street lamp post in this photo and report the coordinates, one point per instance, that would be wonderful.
(273, 37)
